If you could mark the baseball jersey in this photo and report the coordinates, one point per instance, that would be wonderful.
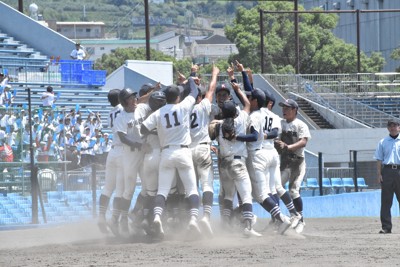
(172, 122)
(112, 115)
(142, 111)
(122, 124)
(270, 121)
(234, 148)
(257, 122)
(299, 130)
(199, 120)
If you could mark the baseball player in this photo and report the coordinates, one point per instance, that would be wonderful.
(152, 152)
(233, 154)
(272, 129)
(294, 137)
(201, 152)
(172, 122)
(131, 158)
(113, 176)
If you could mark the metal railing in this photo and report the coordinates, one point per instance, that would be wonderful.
(324, 90)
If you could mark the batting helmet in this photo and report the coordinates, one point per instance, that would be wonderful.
(145, 89)
(113, 97)
(124, 95)
(157, 100)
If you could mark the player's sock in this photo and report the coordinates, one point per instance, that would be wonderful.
(159, 205)
(103, 205)
(116, 209)
(269, 205)
(276, 198)
(247, 213)
(227, 212)
(289, 203)
(139, 203)
(298, 204)
(194, 203)
(207, 203)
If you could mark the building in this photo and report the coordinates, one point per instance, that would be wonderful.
(379, 31)
(169, 43)
(204, 51)
(79, 29)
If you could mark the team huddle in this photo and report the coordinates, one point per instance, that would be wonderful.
(165, 137)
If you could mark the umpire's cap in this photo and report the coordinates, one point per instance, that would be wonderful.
(229, 109)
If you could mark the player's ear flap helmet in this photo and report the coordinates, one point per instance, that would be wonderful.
(113, 97)
(124, 95)
(268, 97)
(260, 96)
(157, 100)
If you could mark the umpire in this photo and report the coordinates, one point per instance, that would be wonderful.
(387, 155)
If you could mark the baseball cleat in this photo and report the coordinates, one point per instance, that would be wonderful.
(294, 220)
(114, 227)
(158, 229)
(206, 227)
(284, 225)
(124, 227)
(102, 224)
(145, 226)
(193, 226)
(251, 233)
(300, 227)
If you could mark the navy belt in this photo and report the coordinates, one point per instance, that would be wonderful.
(391, 166)
(204, 143)
(237, 157)
(182, 146)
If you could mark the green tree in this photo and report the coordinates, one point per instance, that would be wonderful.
(396, 56)
(319, 50)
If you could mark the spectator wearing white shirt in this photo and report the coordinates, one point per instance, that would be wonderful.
(48, 97)
(78, 53)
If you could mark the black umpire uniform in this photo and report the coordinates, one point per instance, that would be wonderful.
(387, 155)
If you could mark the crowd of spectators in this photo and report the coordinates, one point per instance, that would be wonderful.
(76, 136)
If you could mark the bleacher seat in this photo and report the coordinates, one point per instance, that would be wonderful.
(361, 183)
(326, 185)
(337, 184)
(312, 183)
(348, 184)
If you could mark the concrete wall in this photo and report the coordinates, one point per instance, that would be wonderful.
(34, 34)
(360, 204)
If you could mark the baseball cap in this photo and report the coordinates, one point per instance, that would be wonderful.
(289, 103)
(393, 121)
(268, 96)
(172, 92)
(229, 109)
(222, 87)
(145, 89)
(259, 95)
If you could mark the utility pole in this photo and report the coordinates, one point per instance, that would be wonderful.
(21, 6)
(146, 18)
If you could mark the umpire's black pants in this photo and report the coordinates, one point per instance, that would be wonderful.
(390, 186)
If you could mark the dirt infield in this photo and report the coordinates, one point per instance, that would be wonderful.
(327, 242)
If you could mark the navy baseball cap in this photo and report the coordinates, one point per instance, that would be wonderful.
(145, 89)
(289, 103)
(229, 109)
(259, 95)
(222, 87)
(172, 92)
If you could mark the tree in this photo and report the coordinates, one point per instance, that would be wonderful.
(320, 51)
(396, 56)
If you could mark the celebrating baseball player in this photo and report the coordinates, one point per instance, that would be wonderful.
(172, 122)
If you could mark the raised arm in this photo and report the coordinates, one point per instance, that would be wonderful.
(242, 97)
(213, 83)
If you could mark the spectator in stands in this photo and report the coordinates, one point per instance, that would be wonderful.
(106, 146)
(388, 165)
(6, 153)
(78, 53)
(48, 97)
(6, 97)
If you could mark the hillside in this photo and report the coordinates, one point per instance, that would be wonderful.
(122, 16)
